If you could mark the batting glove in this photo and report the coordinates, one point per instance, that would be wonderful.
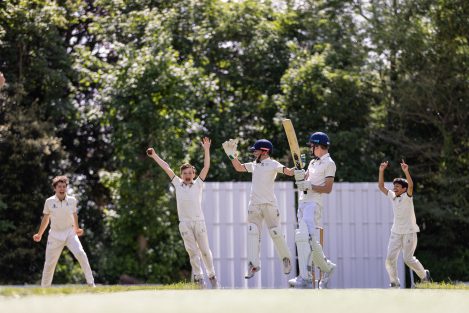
(300, 175)
(230, 147)
(303, 185)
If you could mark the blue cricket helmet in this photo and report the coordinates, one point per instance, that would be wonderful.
(319, 138)
(262, 144)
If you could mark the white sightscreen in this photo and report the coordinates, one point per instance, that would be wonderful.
(357, 220)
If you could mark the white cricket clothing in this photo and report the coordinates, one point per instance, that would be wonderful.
(60, 212)
(404, 214)
(194, 235)
(56, 241)
(318, 171)
(263, 178)
(189, 199)
(407, 243)
(62, 234)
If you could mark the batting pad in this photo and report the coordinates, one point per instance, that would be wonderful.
(280, 243)
(253, 244)
(319, 259)
(304, 251)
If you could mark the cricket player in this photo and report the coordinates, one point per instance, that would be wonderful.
(191, 217)
(61, 211)
(262, 203)
(316, 181)
(404, 228)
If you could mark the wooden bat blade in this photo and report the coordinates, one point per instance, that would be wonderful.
(293, 143)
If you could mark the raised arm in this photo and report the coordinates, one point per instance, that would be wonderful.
(230, 147)
(152, 154)
(410, 187)
(206, 145)
(382, 167)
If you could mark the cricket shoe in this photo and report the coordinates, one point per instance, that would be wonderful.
(395, 285)
(199, 281)
(214, 282)
(427, 278)
(252, 270)
(286, 266)
(327, 276)
(300, 282)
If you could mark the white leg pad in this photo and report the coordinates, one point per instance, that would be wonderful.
(280, 243)
(319, 259)
(304, 251)
(253, 244)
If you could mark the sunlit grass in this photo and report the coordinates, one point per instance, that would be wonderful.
(72, 289)
(442, 285)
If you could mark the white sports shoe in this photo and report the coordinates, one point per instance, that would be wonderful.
(214, 282)
(286, 266)
(252, 270)
(200, 282)
(395, 285)
(427, 278)
(299, 282)
(325, 280)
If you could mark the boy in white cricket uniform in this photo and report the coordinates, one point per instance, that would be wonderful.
(61, 211)
(191, 217)
(404, 229)
(262, 202)
(318, 180)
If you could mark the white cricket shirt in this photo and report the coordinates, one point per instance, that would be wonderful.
(189, 199)
(318, 171)
(404, 214)
(263, 179)
(60, 212)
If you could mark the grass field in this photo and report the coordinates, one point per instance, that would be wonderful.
(183, 298)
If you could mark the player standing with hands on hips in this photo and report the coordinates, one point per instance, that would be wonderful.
(61, 211)
(404, 228)
(262, 203)
(191, 217)
(316, 181)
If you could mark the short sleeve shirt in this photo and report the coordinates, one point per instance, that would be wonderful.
(404, 214)
(60, 212)
(263, 179)
(318, 171)
(189, 199)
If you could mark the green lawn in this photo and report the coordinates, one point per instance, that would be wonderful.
(73, 289)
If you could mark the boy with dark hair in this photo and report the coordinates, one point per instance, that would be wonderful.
(404, 229)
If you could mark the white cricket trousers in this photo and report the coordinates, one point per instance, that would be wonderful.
(56, 241)
(407, 243)
(194, 235)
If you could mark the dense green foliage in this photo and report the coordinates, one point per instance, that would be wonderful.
(92, 83)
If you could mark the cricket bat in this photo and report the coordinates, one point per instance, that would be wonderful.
(293, 143)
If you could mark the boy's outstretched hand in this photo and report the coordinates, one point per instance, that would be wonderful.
(383, 165)
(404, 166)
(206, 142)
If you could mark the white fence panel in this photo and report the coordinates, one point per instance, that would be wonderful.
(357, 220)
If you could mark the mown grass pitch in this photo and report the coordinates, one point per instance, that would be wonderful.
(181, 298)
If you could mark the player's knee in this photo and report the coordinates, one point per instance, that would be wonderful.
(409, 260)
(275, 232)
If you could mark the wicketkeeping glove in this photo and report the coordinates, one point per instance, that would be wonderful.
(299, 175)
(230, 147)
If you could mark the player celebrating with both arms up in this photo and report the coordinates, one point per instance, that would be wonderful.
(262, 203)
(191, 217)
(404, 228)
